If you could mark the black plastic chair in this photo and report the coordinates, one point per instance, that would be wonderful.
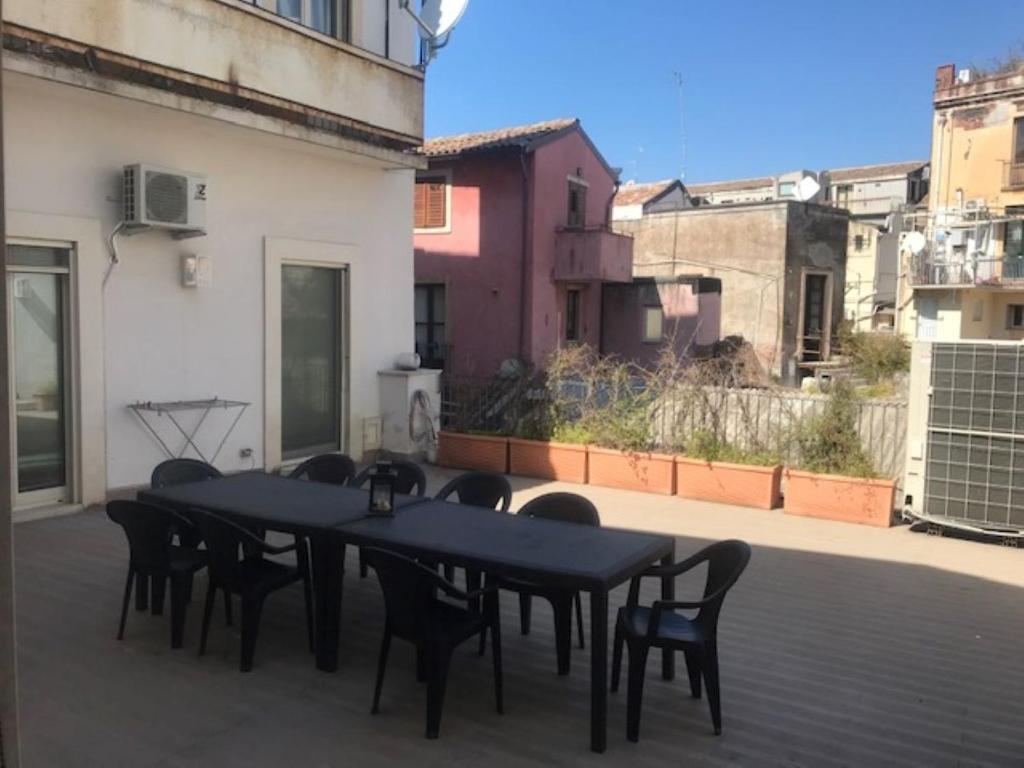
(410, 481)
(252, 577)
(642, 628)
(178, 471)
(478, 489)
(333, 468)
(155, 560)
(569, 508)
(436, 627)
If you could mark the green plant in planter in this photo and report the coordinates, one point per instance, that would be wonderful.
(877, 357)
(706, 445)
(829, 443)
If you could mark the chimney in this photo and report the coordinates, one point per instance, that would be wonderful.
(945, 76)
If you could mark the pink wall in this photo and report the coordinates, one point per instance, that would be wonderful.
(480, 260)
(552, 163)
(692, 314)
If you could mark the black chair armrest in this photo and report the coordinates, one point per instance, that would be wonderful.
(248, 537)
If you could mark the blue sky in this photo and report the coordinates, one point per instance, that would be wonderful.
(769, 85)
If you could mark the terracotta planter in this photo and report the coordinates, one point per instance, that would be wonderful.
(745, 484)
(651, 472)
(551, 461)
(836, 497)
(483, 452)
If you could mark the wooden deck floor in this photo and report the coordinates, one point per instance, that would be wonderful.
(840, 646)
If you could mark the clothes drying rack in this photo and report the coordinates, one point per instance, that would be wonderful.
(172, 408)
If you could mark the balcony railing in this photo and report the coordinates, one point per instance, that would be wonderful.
(926, 270)
(593, 253)
(1013, 175)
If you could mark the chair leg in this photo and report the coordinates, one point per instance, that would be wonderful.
(141, 591)
(252, 607)
(125, 602)
(562, 608)
(159, 587)
(495, 625)
(617, 643)
(525, 609)
(227, 609)
(307, 592)
(693, 670)
(179, 603)
(634, 701)
(438, 660)
(382, 663)
(710, 670)
(211, 598)
(579, 620)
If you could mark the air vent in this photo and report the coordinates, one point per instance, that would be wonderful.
(166, 197)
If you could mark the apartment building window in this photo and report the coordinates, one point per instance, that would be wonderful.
(431, 202)
(654, 325)
(1018, 141)
(572, 314)
(577, 205)
(327, 16)
(858, 242)
(843, 195)
(787, 188)
(1015, 317)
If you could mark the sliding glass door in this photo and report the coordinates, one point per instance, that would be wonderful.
(37, 296)
(312, 360)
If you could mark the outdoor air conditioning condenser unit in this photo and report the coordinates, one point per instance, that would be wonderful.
(166, 199)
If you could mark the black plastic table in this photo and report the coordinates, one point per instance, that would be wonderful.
(313, 510)
(586, 558)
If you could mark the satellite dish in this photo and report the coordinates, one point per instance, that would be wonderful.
(914, 242)
(806, 189)
(436, 20)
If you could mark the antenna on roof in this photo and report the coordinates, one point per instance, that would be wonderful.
(682, 126)
(435, 20)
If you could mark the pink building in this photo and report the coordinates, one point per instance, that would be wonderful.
(513, 246)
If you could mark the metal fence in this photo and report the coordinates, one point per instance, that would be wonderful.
(752, 419)
(768, 418)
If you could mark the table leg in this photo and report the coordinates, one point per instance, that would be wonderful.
(668, 592)
(327, 554)
(598, 670)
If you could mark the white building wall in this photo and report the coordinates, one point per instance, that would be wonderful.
(160, 341)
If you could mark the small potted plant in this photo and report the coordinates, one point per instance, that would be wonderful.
(713, 470)
(835, 478)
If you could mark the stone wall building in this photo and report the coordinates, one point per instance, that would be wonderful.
(782, 266)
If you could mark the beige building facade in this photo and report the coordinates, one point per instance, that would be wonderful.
(965, 278)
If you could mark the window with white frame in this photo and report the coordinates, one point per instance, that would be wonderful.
(328, 16)
(1015, 317)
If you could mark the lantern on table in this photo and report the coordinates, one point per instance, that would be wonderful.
(382, 489)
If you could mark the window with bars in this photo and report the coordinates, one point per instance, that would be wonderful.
(328, 16)
(431, 202)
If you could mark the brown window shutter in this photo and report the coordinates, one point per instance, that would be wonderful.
(435, 207)
(420, 205)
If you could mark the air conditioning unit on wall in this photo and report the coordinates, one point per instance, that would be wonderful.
(164, 199)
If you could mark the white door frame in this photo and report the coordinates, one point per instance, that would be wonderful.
(66, 492)
(279, 252)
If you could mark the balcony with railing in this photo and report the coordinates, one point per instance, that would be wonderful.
(593, 253)
(927, 271)
(1013, 176)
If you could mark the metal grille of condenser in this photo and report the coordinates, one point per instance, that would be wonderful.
(975, 455)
